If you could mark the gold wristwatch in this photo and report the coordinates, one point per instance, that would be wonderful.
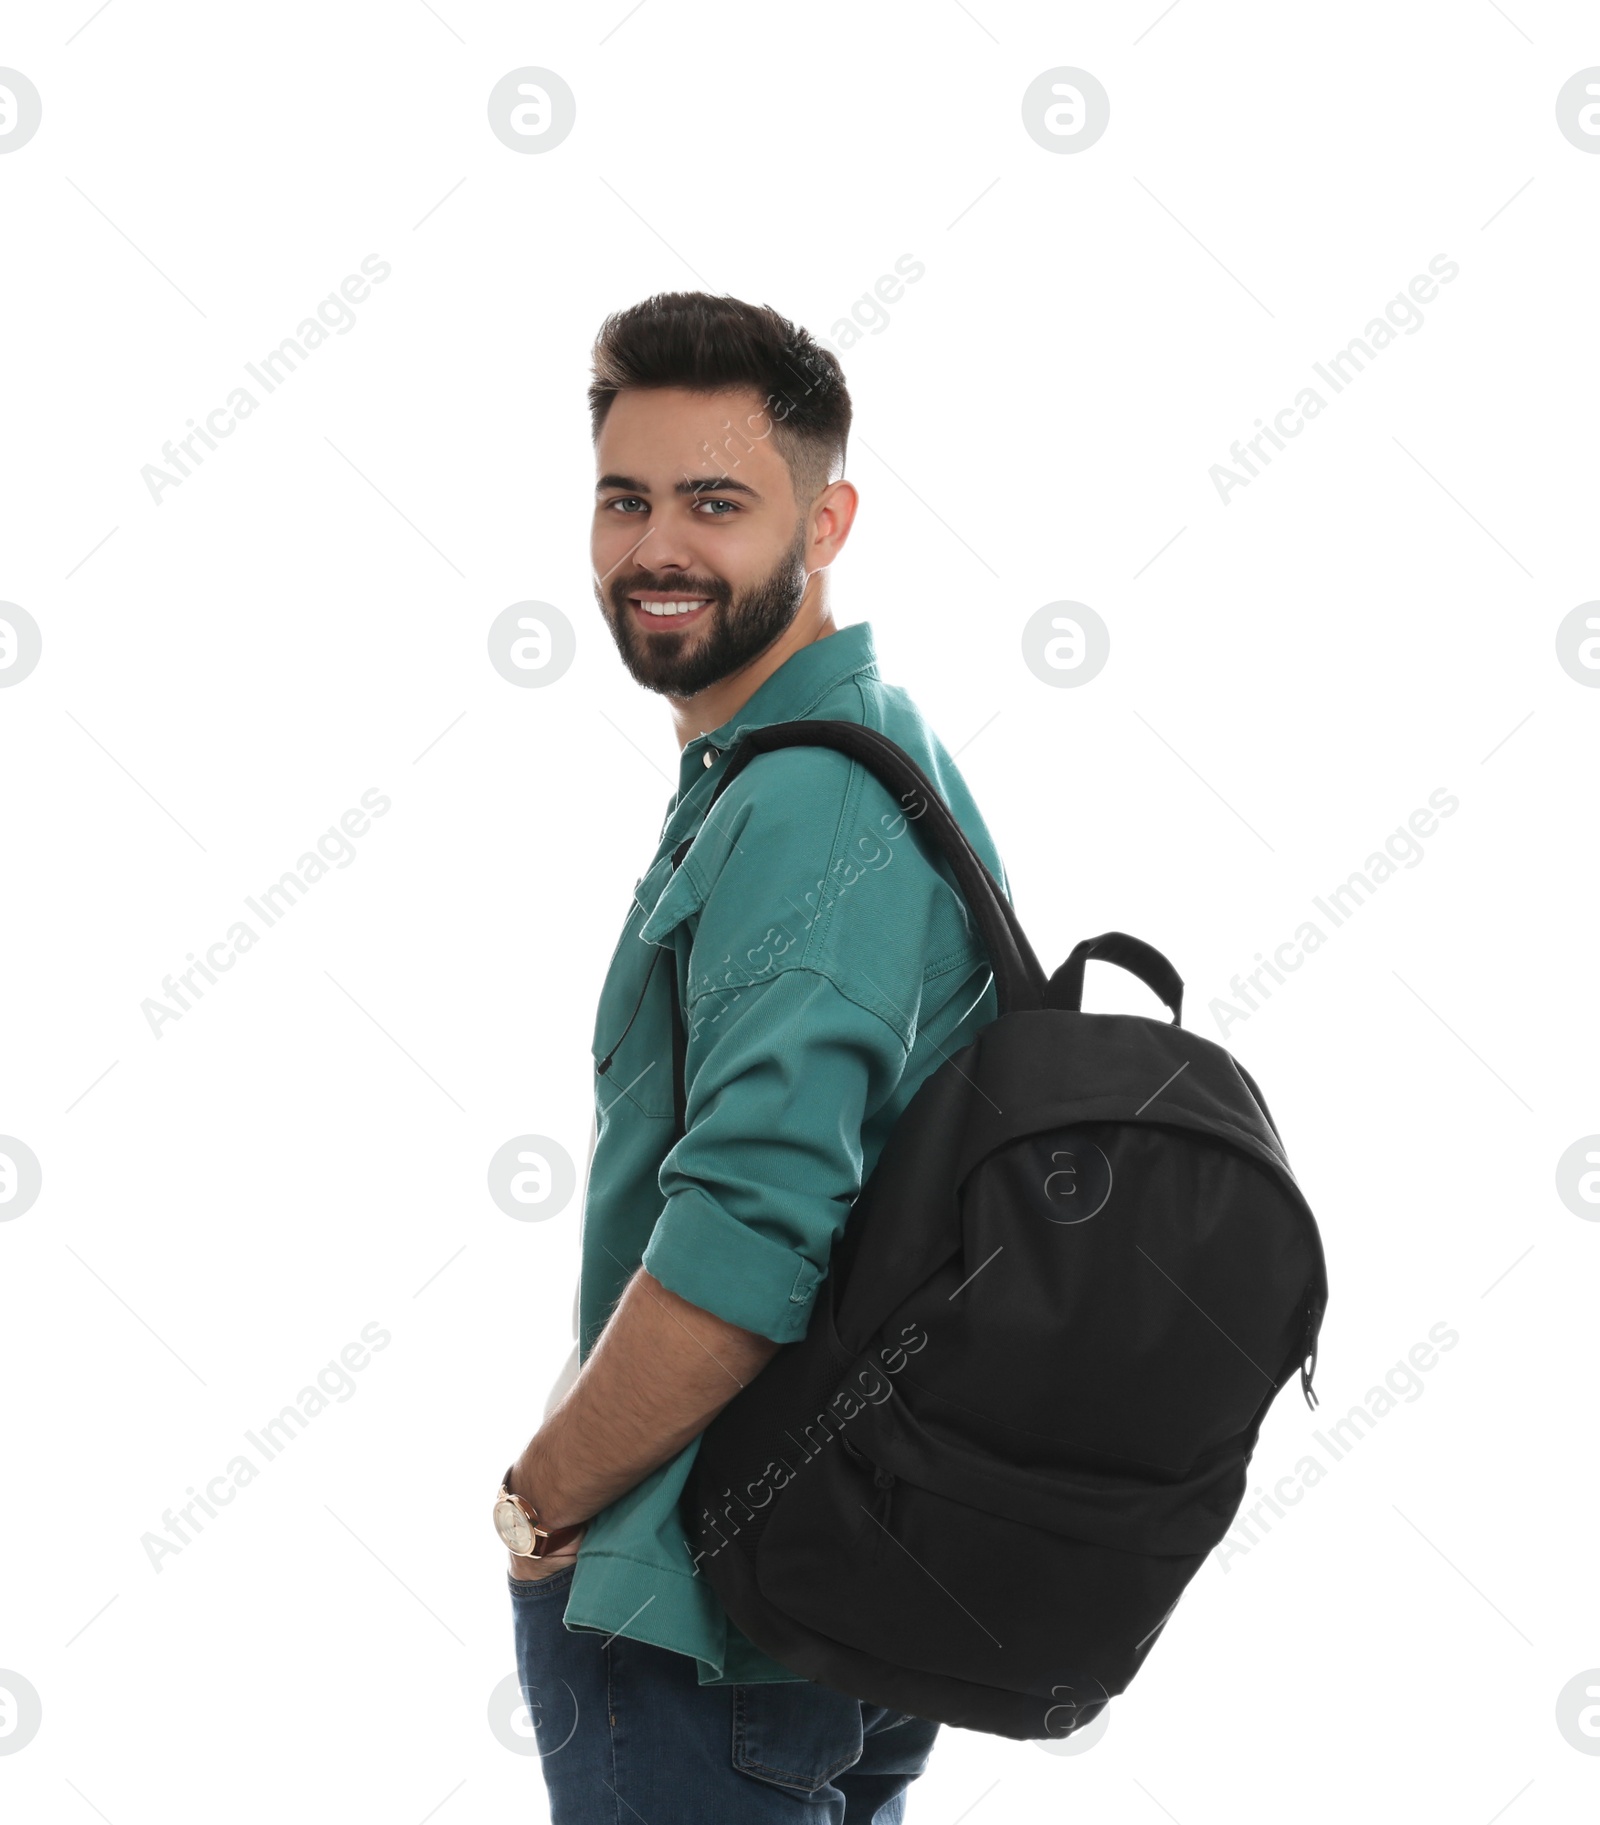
(518, 1525)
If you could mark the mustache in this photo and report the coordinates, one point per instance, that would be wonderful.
(677, 586)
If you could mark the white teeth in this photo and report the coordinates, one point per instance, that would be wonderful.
(672, 608)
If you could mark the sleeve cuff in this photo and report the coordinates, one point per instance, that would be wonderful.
(726, 1267)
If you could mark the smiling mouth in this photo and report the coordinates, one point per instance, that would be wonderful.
(657, 611)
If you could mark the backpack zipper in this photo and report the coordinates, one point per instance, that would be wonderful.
(1308, 1354)
(883, 1481)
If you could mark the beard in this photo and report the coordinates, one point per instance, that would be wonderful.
(731, 631)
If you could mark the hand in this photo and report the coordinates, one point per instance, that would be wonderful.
(527, 1571)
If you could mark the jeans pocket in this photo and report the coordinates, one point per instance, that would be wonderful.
(542, 1587)
(795, 1734)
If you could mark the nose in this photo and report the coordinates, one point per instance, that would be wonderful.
(668, 547)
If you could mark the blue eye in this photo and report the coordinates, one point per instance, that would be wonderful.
(627, 502)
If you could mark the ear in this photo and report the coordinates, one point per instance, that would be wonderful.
(833, 513)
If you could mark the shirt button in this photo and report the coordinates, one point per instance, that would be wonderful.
(710, 755)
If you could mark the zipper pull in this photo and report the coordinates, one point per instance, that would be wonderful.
(1308, 1352)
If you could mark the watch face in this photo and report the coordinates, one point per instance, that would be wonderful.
(514, 1527)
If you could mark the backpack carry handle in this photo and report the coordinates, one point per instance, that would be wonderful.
(1018, 975)
(1132, 954)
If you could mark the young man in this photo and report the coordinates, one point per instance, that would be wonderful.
(826, 965)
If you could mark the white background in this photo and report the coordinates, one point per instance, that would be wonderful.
(304, 1152)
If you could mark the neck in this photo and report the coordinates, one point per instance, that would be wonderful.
(710, 708)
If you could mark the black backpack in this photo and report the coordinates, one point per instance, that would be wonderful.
(1028, 1394)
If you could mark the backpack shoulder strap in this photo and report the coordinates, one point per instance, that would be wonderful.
(1019, 980)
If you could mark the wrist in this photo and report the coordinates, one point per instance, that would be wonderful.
(531, 1533)
(529, 1481)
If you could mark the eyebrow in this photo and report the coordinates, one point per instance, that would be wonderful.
(698, 484)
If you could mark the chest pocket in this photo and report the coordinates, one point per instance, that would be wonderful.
(633, 1022)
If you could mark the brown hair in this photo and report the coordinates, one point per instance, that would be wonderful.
(712, 344)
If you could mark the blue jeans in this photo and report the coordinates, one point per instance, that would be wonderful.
(626, 1731)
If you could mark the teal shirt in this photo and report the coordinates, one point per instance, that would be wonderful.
(826, 965)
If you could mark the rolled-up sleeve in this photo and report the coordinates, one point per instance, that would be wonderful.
(780, 1076)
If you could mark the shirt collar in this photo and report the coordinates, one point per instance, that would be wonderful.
(798, 685)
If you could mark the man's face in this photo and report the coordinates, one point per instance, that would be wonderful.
(694, 505)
